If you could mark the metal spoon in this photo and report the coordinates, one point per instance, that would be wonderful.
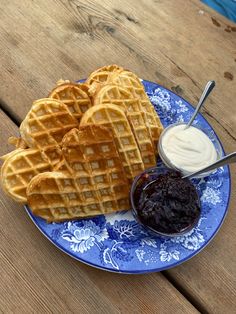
(208, 88)
(228, 159)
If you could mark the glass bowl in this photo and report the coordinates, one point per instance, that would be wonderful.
(210, 134)
(139, 183)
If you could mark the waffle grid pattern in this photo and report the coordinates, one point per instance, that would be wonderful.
(98, 185)
(115, 119)
(131, 82)
(46, 124)
(74, 97)
(104, 74)
(20, 168)
(82, 147)
(119, 96)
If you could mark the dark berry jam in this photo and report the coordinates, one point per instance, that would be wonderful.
(166, 202)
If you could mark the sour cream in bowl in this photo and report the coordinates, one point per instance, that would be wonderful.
(188, 150)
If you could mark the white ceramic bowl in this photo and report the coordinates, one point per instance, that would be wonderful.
(210, 134)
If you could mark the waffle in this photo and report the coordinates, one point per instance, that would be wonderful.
(113, 117)
(103, 75)
(131, 82)
(74, 96)
(21, 165)
(128, 80)
(81, 148)
(111, 93)
(46, 123)
(117, 95)
(96, 185)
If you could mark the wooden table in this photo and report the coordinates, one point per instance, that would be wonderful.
(179, 44)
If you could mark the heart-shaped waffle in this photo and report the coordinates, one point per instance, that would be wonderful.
(74, 96)
(117, 95)
(46, 123)
(131, 82)
(115, 119)
(103, 75)
(21, 165)
(94, 184)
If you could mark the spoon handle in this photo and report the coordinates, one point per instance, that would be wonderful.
(228, 159)
(208, 88)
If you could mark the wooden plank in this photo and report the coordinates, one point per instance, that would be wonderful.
(78, 36)
(38, 278)
(177, 44)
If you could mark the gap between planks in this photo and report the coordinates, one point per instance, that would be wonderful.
(9, 113)
(200, 307)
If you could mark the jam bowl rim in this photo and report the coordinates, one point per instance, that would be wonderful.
(135, 211)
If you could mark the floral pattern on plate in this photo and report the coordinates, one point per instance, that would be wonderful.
(115, 242)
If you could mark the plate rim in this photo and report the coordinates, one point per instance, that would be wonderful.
(137, 272)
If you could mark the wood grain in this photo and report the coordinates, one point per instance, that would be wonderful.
(78, 36)
(38, 278)
(181, 46)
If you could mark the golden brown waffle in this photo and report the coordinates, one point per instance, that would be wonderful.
(131, 82)
(103, 75)
(128, 80)
(46, 123)
(74, 96)
(112, 93)
(21, 165)
(117, 95)
(96, 185)
(66, 171)
(114, 118)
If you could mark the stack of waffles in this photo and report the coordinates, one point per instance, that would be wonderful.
(81, 147)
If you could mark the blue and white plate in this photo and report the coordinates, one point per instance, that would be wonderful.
(117, 243)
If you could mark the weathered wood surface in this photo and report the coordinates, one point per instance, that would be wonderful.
(181, 45)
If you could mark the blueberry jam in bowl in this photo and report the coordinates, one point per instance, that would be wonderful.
(165, 203)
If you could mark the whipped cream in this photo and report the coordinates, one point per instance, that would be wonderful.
(188, 149)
